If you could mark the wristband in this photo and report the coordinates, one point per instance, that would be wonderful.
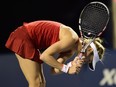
(65, 68)
(69, 64)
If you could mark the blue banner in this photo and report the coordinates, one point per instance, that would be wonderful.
(103, 76)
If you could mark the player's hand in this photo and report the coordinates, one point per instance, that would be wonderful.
(76, 66)
(73, 68)
(79, 63)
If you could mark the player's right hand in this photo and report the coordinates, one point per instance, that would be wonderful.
(76, 66)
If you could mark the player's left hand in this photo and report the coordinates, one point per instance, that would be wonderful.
(79, 63)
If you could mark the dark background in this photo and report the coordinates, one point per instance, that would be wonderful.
(14, 12)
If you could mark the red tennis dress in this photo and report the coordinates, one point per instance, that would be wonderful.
(28, 39)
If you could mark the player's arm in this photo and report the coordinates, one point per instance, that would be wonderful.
(67, 40)
(48, 55)
(62, 58)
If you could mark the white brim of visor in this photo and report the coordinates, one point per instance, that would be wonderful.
(95, 57)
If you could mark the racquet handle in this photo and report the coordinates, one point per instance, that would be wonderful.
(79, 56)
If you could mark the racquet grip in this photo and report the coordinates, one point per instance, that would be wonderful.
(80, 55)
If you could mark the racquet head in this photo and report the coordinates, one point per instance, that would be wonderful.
(93, 19)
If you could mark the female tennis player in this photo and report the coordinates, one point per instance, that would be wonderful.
(37, 42)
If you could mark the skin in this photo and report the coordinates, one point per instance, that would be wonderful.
(68, 44)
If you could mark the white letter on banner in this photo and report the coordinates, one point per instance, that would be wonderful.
(115, 79)
(109, 77)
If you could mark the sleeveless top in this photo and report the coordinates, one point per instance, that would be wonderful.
(43, 33)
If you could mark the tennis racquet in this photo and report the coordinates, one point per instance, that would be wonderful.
(92, 22)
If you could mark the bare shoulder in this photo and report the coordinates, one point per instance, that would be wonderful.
(68, 32)
(68, 38)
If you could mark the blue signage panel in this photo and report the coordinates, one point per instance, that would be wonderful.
(103, 76)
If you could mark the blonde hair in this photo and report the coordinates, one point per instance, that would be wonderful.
(100, 47)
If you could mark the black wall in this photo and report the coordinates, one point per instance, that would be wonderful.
(14, 13)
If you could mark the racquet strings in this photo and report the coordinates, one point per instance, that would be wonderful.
(94, 18)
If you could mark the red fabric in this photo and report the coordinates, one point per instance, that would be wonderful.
(27, 40)
(44, 33)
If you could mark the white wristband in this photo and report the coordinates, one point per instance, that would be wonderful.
(65, 68)
(69, 64)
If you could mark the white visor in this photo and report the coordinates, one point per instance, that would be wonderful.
(96, 58)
